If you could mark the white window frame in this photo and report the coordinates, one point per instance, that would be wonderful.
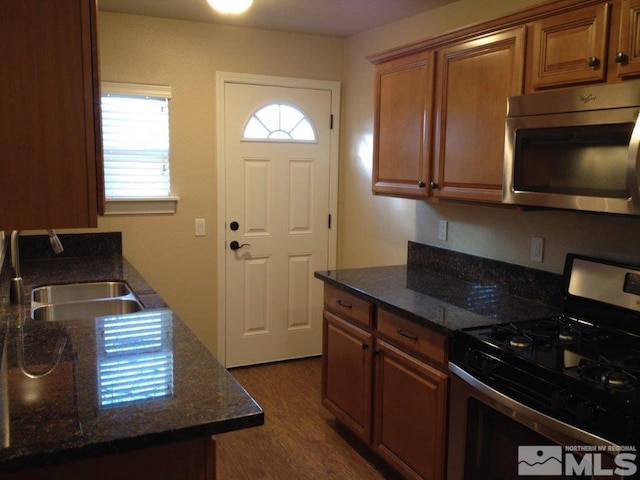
(139, 205)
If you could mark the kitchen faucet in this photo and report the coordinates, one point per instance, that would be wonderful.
(16, 292)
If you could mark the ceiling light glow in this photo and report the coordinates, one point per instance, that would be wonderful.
(230, 7)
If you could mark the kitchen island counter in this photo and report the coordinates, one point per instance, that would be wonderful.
(118, 384)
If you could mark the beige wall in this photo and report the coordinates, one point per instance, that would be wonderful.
(374, 230)
(186, 56)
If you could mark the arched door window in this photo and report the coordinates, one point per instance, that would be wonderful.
(279, 122)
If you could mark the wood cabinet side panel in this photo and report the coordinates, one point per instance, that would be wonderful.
(46, 123)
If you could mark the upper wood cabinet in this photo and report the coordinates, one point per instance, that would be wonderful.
(595, 43)
(458, 156)
(474, 79)
(50, 136)
(402, 119)
(570, 47)
(627, 55)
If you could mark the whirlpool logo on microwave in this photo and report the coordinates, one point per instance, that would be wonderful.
(576, 460)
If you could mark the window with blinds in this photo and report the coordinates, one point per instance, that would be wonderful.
(135, 134)
(135, 358)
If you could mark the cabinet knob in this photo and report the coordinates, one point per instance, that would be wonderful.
(433, 185)
(421, 184)
(594, 61)
(621, 58)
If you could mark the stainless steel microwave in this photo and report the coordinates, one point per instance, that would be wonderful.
(574, 148)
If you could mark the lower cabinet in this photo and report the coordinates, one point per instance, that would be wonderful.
(183, 460)
(387, 383)
(410, 413)
(346, 379)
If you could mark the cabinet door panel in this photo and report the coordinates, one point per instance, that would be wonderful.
(629, 43)
(404, 89)
(410, 413)
(475, 79)
(346, 374)
(564, 44)
(48, 122)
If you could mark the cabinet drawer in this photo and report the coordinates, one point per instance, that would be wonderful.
(347, 305)
(415, 338)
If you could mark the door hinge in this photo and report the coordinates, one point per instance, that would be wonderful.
(331, 122)
(329, 220)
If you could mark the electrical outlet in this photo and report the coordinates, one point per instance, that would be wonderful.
(442, 230)
(200, 227)
(537, 249)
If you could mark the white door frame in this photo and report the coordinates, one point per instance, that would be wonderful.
(332, 254)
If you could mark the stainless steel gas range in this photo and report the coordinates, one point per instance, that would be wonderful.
(554, 397)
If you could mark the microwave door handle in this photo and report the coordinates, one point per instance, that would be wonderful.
(633, 166)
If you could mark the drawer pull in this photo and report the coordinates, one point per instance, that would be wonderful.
(344, 304)
(407, 334)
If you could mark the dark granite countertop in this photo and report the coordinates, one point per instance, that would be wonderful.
(440, 302)
(86, 406)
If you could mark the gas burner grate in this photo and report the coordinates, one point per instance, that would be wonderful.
(615, 375)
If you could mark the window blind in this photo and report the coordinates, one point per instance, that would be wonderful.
(135, 134)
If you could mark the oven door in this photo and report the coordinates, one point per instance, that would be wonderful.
(487, 430)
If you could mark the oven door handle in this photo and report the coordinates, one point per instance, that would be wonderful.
(527, 415)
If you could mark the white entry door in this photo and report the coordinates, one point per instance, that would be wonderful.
(277, 168)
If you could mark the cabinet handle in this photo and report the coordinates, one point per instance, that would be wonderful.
(621, 58)
(421, 184)
(433, 185)
(344, 304)
(407, 334)
(594, 61)
(365, 346)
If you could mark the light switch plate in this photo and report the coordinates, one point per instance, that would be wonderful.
(200, 227)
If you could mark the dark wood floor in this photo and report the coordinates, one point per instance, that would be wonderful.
(300, 439)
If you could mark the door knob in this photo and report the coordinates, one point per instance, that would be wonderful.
(236, 246)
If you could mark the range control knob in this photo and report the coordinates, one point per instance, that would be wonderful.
(585, 411)
(559, 399)
(487, 367)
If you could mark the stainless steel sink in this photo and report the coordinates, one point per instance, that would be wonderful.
(83, 300)
(76, 292)
(87, 309)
